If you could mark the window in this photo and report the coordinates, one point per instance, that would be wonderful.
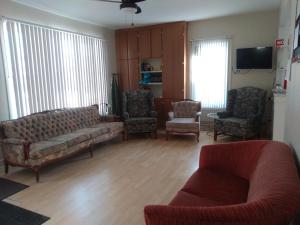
(209, 72)
(48, 68)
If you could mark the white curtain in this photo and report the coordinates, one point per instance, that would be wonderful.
(48, 68)
(209, 72)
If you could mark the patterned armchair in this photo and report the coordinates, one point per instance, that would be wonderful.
(243, 115)
(185, 118)
(138, 112)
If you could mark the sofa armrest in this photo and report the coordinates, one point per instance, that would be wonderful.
(153, 114)
(255, 213)
(171, 115)
(238, 158)
(198, 116)
(14, 141)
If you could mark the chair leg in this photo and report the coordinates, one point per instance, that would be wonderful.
(124, 135)
(215, 135)
(36, 170)
(6, 167)
(197, 136)
(91, 151)
(155, 134)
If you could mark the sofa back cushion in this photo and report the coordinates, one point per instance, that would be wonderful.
(39, 126)
(249, 102)
(186, 109)
(138, 103)
(275, 178)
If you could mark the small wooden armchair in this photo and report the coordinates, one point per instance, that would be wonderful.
(185, 119)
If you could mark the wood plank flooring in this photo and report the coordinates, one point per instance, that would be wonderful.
(113, 187)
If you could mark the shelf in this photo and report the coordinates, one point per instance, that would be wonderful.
(151, 71)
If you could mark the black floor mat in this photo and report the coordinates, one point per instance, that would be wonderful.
(8, 188)
(14, 215)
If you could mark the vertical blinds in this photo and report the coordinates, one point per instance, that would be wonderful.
(209, 72)
(48, 68)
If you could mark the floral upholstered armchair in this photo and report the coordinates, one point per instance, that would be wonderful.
(138, 112)
(185, 118)
(243, 115)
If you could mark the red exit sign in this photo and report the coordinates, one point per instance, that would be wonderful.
(279, 43)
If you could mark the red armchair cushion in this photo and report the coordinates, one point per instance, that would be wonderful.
(214, 186)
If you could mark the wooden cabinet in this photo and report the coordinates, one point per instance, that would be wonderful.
(122, 45)
(134, 73)
(156, 43)
(174, 41)
(124, 75)
(145, 44)
(133, 52)
(150, 43)
(165, 42)
(128, 59)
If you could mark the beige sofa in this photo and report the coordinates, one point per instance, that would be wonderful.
(37, 140)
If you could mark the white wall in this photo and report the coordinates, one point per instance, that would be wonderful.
(14, 10)
(247, 30)
(292, 128)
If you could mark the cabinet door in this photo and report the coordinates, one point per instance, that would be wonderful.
(122, 44)
(133, 45)
(145, 44)
(156, 43)
(124, 78)
(134, 73)
(174, 61)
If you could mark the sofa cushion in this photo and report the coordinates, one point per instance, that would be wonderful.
(93, 132)
(218, 186)
(44, 148)
(141, 120)
(71, 139)
(111, 126)
(187, 199)
(233, 122)
(182, 125)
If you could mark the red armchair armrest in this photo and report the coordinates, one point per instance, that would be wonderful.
(255, 213)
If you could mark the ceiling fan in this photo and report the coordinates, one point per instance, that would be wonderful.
(127, 6)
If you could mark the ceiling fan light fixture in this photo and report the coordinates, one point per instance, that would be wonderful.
(129, 10)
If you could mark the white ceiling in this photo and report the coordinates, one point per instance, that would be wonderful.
(154, 11)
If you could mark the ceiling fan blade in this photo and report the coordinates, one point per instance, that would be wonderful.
(109, 1)
(139, 10)
(132, 1)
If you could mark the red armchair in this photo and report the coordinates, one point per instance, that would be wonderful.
(243, 183)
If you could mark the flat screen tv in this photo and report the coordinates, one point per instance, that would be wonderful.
(254, 58)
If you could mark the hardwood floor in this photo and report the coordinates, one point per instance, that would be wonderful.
(113, 187)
